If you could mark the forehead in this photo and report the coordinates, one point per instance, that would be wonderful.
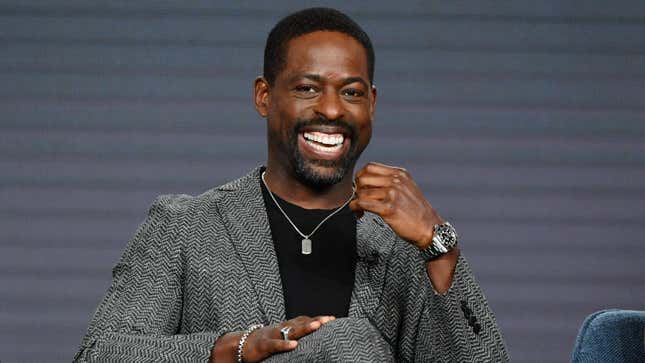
(326, 53)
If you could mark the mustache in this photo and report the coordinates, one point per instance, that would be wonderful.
(348, 128)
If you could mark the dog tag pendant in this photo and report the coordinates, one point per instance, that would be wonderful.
(306, 246)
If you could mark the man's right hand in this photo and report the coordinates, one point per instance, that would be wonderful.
(262, 343)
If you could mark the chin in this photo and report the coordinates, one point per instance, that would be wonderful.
(319, 176)
(320, 172)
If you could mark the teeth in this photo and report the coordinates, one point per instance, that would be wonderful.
(324, 148)
(332, 140)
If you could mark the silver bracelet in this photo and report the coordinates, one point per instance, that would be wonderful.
(246, 334)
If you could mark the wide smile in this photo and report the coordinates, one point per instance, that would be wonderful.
(322, 145)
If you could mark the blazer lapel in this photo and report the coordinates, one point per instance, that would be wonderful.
(374, 243)
(244, 214)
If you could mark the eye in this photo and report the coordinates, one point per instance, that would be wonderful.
(353, 93)
(306, 90)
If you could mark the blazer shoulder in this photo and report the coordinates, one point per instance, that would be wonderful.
(207, 201)
(183, 203)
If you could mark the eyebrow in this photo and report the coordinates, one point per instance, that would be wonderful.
(318, 78)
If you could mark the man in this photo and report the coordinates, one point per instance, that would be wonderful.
(289, 263)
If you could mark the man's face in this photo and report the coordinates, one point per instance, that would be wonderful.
(319, 110)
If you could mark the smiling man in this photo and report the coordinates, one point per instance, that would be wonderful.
(300, 260)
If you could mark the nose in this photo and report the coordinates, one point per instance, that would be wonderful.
(330, 106)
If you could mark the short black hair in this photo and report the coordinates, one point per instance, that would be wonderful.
(308, 21)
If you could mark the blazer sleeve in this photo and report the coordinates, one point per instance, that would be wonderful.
(139, 318)
(458, 325)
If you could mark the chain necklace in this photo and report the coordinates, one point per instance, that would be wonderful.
(306, 240)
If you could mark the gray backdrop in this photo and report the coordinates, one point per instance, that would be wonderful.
(523, 122)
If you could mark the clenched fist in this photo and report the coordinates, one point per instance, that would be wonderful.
(391, 193)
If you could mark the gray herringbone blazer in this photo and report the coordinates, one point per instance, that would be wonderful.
(202, 266)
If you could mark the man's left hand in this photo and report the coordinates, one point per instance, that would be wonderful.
(391, 193)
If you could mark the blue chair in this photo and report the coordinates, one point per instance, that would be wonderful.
(611, 336)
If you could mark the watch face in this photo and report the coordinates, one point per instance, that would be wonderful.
(447, 234)
(444, 239)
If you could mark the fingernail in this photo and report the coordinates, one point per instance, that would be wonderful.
(293, 343)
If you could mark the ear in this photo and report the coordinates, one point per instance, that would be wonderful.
(372, 100)
(261, 95)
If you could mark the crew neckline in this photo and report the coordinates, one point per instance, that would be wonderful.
(290, 205)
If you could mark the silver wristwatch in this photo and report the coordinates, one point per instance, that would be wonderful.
(444, 239)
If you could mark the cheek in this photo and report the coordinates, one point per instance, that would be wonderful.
(278, 121)
(285, 114)
(364, 135)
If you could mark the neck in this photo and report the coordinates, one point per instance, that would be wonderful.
(288, 187)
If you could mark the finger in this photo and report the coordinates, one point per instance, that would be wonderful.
(369, 180)
(278, 345)
(302, 326)
(379, 168)
(299, 327)
(324, 318)
(382, 208)
(311, 326)
(376, 163)
(374, 193)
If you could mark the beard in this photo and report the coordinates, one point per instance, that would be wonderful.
(304, 167)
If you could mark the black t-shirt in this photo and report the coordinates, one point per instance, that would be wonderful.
(320, 283)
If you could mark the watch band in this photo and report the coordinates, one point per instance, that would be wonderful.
(444, 239)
